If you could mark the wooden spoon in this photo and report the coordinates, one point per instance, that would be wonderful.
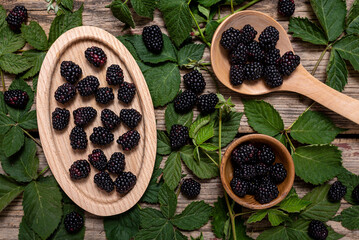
(300, 81)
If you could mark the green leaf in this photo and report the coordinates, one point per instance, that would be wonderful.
(23, 165)
(3, 108)
(35, 35)
(9, 41)
(42, 206)
(314, 128)
(14, 140)
(276, 217)
(163, 143)
(241, 231)
(16, 114)
(211, 27)
(325, 11)
(14, 64)
(26, 233)
(172, 170)
(194, 216)
(263, 118)
(5, 123)
(348, 48)
(121, 11)
(163, 83)
(190, 52)
(35, 58)
(172, 118)
(307, 31)
(323, 160)
(69, 4)
(144, 8)
(208, 3)
(159, 232)
(176, 15)
(204, 11)
(3, 22)
(125, 40)
(204, 134)
(179, 236)
(29, 120)
(168, 201)
(151, 194)
(9, 190)
(200, 122)
(281, 138)
(353, 19)
(293, 204)
(34, 83)
(151, 217)
(350, 180)
(208, 147)
(219, 217)
(258, 216)
(122, 226)
(337, 72)
(349, 218)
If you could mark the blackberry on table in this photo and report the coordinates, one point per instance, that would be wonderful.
(125, 182)
(109, 119)
(179, 136)
(78, 138)
(266, 155)
(70, 71)
(355, 194)
(88, 86)
(104, 95)
(266, 193)
(16, 98)
(236, 75)
(239, 187)
(253, 70)
(269, 37)
(84, 115)
(288, 63)
(60, 118)
(65, 93)
(117, 163)
(261, 169)
(207, 103)
(129, 140)
(98, 159)
(185, 101)
(244, 154)
(79, 169)
(272, 56)
(254, 52)
(286, 7)
(272, 76)
(126, 92)
(103, 181)
(101, 136)
(16, 17)
(190, 188)
(230, 38)
(96, 56)
(194, 81)
(277, 173)
(114, 75)
(317, 230)
(247, 172)
(248, 34)
(152, 38)
(73, 222)
(130, 117)
(239, 55)
(337, 191)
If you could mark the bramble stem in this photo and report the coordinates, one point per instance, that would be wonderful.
(199, 30)
(243, 213)
(30, 136)
(320, 59)
(232, 9)
(239, 9)
(211, 158)
(231, 216)
(43, 171)
(290, 142)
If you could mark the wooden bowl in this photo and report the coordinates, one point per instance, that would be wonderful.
(281, 156)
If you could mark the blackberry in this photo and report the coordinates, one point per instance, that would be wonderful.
(236, 172)
(286, 7)
(247, 172)
(79, 169)
(65, 93)
(114, 75)
(337, 191)
(88, 86)
(16, 17)
(266, 193)
(239, 55)
(117, 163)
(152, 38)
(16, 98)
(190, 188)
(254, 52)
(101, 136)
(288, 63)
(70, 71)
(185, 101)
(269, 37)
(78, 138)
(317, 230)
(194, 81)
(253, 186)
(253, 70)
(230, 38)
(125, 182)
(272, 56)
(248, 34)
(96, 56)
(277, 173)
(129, 140)
(98, 159)
(130, 117)
(60, 118)
(73, 222)
(109, 119)
(126, 92)
(207, 103)
(239, 187)
(244, 154)
(104, 181)
(261, 169)
(355, 194)
(84, 115)
(236, 75)
(272, 76)
(266, 155)
(179, 136)
(104, 95)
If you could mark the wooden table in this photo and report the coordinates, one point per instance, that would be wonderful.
(289, 105)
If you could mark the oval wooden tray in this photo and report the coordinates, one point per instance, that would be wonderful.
(56, 144)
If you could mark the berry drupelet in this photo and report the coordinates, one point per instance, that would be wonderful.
(88, 86)
(79, 169)
(337, 191)
(109, 119)
(317, 230)
(60, 118)
(16, 98)
(101, 136)
(355, 194)
(117, 163)
(152, 38)
(190, 188)
(104, 181)
(194, 81)
(185, 101)
(286, 7)
(16, 17)
(104, 95)
(239, 55)
(239, 187)
(266, 192)
(179, 136)
(65, 93)
(130, 117)
(96, 56)
(253, 186)
(254, 52)
(253, 70)
(126, 92)
(269, 37)
(244, 154)
(230, 38)
(98, 159)
(272, 76)
(207, 103)
(272, 56)
(247, 172)
(236, 75)
(248, 34)
(73, 222)
(288, 63)
(78, 138)
(261, 169)
(266, 155)
(125, 182)
(277, 173)
(129, 140)
(70, 71)
(84, 115)
(114, 75)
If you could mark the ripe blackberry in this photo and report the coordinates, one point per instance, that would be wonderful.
(78, 138)
(277, 173)
(126, 92)
(236, 75)
(194, 81)
(117, 163)
(239, 187)
(101, 136)
(70, 71)
(272, 76)
(179, 136)
(130, 117)
(266, 192)
(266, 155)
(129, 140)
(79, 169)
(98, 159)
(190, 188)
(125, 182)
(96, 56)
(272, 56)
(207, 103)
(60, 118)
(247, 172)
(104, 95)
(254, 52)
(104, 181)
(236, 171)
(16, 17)
(248, 34)
(88, 86)
(288, 63)
(337, 191)
(114, 75)
(16, 98)
(244, 154)
(185, 101)
(239, 55)
(230, 38)
(84, 115)
(286, 7)
(152, 38)
(253, 186)
(109, 119)
(253, 70)
(317, 230)
(73, 222)
(269, 37)
(261, 169)
(355, 194)
(65, 93)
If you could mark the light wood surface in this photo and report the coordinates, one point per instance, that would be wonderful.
(56, 144)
